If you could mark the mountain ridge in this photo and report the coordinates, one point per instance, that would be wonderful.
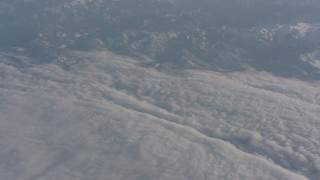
(178, 34)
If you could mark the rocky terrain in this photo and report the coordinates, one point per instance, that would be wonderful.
(269, 36)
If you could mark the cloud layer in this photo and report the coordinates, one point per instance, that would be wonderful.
(106, 117)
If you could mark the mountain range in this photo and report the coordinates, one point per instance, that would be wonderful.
(271, 36)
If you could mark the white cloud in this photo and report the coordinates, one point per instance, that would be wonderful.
(109, 118)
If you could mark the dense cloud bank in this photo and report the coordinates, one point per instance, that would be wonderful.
(106, 117)
(159, 89)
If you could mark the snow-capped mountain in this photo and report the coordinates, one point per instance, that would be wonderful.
(269, 36)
